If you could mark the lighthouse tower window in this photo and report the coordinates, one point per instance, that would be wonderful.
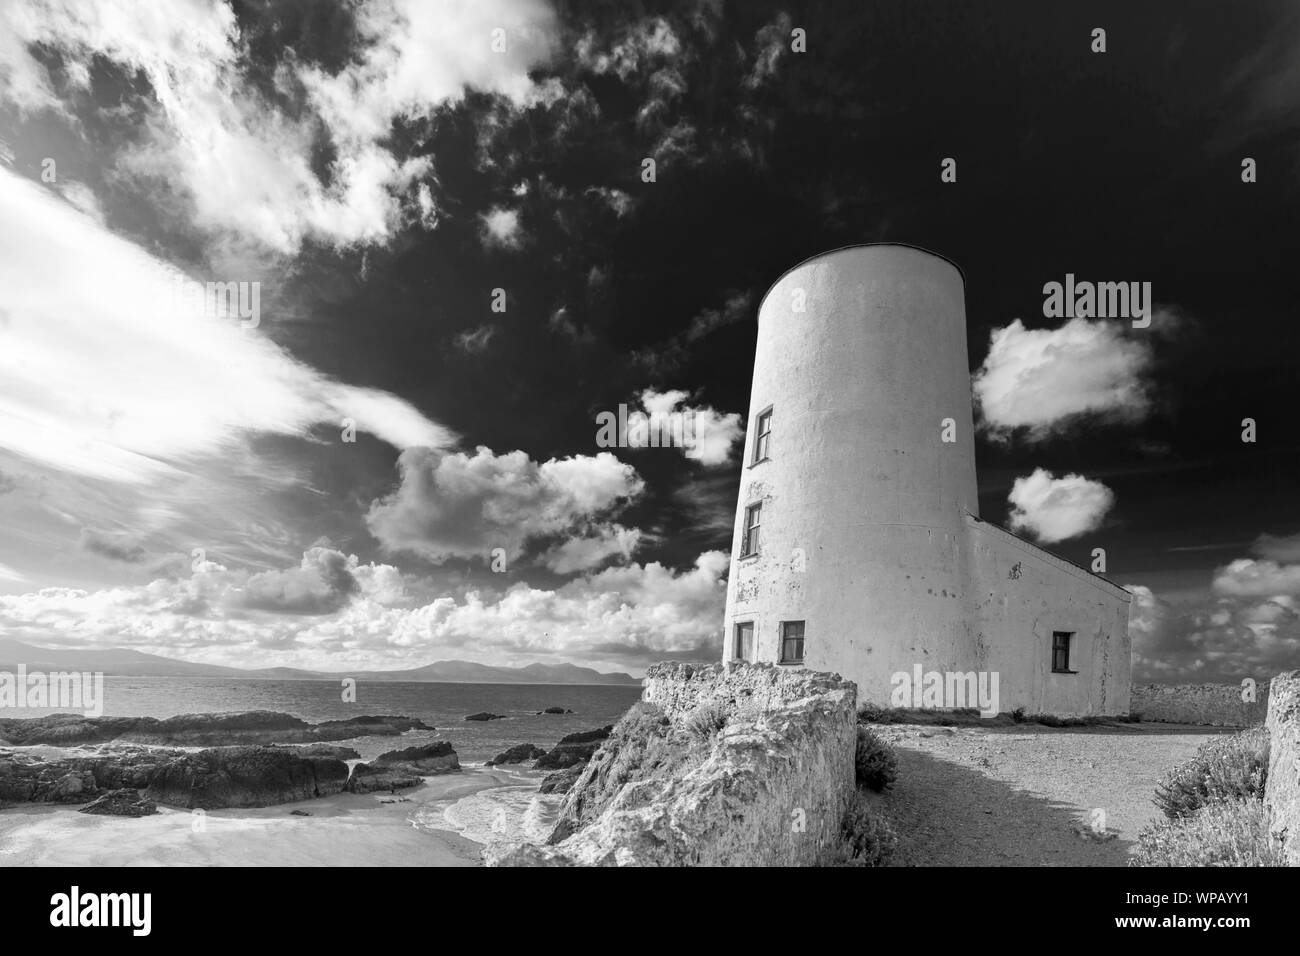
(792, 642)
(749, 540)
(762, 436)
(744, 641)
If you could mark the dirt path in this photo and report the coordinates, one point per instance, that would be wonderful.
(1024, 795)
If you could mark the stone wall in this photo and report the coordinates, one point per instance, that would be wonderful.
(1205, 705)
(1282, 790)
(768, 789)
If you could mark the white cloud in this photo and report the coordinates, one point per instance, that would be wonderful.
(329, 614)
(465, 506)
(712, 434)
(772, 42)
(1039, 379)
(648, 40)
(585, 553)
(1225, 637)
(206, 119)
(181, 385)
(501, 229)
(1056, 509)
(1284, 548)
(1246, 577)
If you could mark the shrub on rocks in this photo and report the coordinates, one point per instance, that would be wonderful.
(875, 763)
(1218, 833)
(1226, 768)
(869, 840)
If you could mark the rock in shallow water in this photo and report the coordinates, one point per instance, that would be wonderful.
(517, 755)
(485, 715)
(573, 749)
(404, 768)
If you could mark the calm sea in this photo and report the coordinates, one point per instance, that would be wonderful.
(443, 706)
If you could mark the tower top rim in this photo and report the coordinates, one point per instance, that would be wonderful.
(857, 245)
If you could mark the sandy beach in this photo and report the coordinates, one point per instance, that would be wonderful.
(343, 830)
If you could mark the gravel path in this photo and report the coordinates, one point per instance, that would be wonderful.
(1024, 795)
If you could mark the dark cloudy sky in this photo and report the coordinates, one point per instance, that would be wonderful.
(181, 484)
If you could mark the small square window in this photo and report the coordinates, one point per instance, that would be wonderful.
(744, 649)
(762, 436)
(749, 539)
(792, 642)
(1061, 652)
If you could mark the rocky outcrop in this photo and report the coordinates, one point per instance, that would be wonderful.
(517, 754)
(245, 777)
(561, 781)
(28, 776)
(726, 765)
(198, 730)
(640, 746)
(398, 769)
(573, 749)
(120, 803)
(367, 778)
(326, 750)
(1282, 787)
(210, 779)
(486, 715)
(553, 710)
(429, 759)
(1204, 705)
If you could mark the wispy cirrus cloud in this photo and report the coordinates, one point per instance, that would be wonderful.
(182, 385)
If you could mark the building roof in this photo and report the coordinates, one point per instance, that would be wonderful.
(858, 245)
(1052, 556)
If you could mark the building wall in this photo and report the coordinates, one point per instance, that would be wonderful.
(864, 532)
(1022, 595)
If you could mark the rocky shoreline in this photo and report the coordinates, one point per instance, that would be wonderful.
(127, 766)
(197, 730)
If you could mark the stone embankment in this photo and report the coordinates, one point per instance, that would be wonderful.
(1282, 788)
(723, 765)
(1202, 705)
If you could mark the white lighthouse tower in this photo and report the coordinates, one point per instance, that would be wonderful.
(858, 546)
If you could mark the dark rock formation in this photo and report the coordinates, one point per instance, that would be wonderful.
(210, 779)
(485, 715)
(299, 813)
(573, 749)
(245, 777)
(120, 803)
(438, 757)
(325, 750)
(197, 730)
(561, 781)
(553, 710)
(404, 768)
(517, 755)
(368, 779)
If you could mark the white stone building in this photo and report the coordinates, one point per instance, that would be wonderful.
(858, 545)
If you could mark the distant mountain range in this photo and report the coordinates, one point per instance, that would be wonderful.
(127, 663)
